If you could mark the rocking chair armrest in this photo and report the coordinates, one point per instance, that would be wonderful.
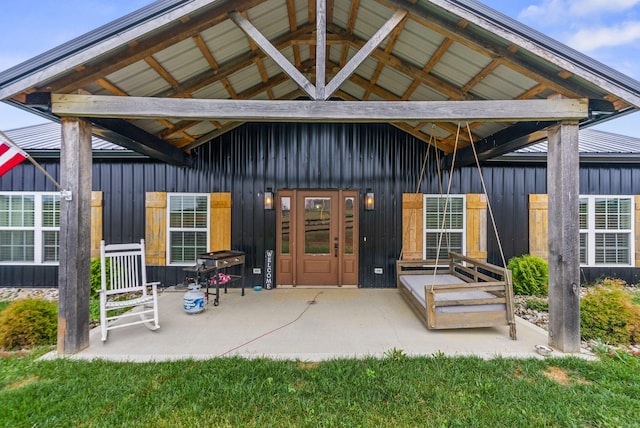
(153, 284)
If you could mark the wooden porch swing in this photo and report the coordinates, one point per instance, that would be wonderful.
(463, 292)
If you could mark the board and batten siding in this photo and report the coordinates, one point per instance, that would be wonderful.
(256, 156)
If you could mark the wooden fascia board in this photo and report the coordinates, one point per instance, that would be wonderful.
(347, 111)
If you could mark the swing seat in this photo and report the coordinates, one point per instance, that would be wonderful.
(466, 293)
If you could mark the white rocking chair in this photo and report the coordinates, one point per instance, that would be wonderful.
(125, 288)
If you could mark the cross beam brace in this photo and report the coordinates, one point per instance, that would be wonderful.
(328, 111)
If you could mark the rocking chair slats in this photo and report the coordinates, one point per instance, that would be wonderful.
(125, 288)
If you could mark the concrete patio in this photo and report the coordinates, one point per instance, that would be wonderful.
(303, 324)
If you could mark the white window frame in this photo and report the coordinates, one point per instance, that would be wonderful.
(591, 231)
(185, 229)
(438, 230)
(38, 229)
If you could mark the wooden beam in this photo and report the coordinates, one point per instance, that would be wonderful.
(239, 63)
(388, 49)
(504, 141)
(359, 111)
(273, 53)
(75, 228)
(564, 232)
(364, 52)
(435, 58)
(293, 26)
(321, 48)
(452, 30)
(122, 53)
(134, 138)
(158, 68)
(413, 72)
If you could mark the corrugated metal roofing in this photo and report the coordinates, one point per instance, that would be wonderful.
(48, 137)
(591, 141)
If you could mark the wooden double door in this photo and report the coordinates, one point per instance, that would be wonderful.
(317, 237)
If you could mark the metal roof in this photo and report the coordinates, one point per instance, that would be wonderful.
(591, 141)
(442, 50)
(47, 137)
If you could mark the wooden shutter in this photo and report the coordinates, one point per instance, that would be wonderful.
(477, 226)
(412, 226)
(636, 229)
(156, 228)
(96, 223)
(539, 226)
(219, 221)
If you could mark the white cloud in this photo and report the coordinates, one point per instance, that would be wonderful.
(591, 39)
(588, 7)
(560, 10)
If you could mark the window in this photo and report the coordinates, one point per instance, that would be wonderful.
(606, 230)
(29, 228)
(188, 227)
(446, 232)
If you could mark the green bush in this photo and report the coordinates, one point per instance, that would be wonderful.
(95, 278)
(28, 322)
(608, 314)
(530, 275)
(537, 304)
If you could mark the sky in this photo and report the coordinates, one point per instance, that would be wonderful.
(606, 30)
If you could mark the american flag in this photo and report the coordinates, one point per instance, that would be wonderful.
(10, 154)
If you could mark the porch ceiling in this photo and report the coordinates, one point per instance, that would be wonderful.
(432, 50)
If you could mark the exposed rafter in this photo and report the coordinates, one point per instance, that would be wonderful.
(136, 139)
(147, 47)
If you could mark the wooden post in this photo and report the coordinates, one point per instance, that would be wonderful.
(75, 237)
(564, 237)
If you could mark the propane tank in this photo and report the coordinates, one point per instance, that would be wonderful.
(194, 299)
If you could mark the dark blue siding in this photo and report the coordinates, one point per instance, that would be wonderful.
(254, 157)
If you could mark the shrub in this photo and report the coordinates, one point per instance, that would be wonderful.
(530, 275)
(28, 322)
(608, 314)
(537, 304)
(95, 279)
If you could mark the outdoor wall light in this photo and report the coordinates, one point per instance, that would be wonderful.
(369, 200)
(268, 199)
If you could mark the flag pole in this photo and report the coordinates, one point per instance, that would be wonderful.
(64, 193)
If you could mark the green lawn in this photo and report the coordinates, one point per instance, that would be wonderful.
(395, 391)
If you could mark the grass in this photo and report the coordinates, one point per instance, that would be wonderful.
(394, 391)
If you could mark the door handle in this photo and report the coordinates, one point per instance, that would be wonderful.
(335, 246)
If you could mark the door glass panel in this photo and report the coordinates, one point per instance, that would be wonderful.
(317, 216)
(285, 206)
(349, 204)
